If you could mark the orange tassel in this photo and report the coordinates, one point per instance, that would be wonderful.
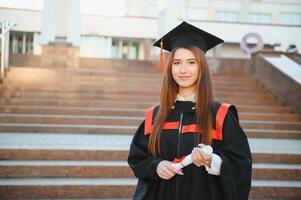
(161, 56)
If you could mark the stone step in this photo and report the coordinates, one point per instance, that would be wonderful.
(21, 72)
(60, 169)
(134, 88)
(110, 96)
(271, 125)
(270, 171)
(46, 146)
(123, 188)
(16, 105)
(112, 122)
(137, 115)
(94, 111)
(117, 79)
(234, 101)
(116, 155)
(119, 169)
(96, 76)
(90, 103)
(89, 90)
(120, 130)
(261, 133)
(48, 72)
(66, 128)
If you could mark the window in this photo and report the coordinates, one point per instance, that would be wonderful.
(260, 18)
(124, 49)
(115, 48)
(290, 18)
(227, 16)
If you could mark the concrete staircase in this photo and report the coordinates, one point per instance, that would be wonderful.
(65, 133)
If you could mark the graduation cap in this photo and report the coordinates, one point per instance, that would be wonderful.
(186, 35)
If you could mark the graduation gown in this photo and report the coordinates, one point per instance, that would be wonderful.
(177, 140)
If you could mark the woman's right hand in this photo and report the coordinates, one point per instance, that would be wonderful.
(166, 171)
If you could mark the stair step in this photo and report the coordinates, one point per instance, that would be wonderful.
(12, 153)
(139, 116)
(271, 171)
(60, 169)
(91, 91)
(122, 187)
(104, 96)
(268, 133)
(114, 147)
(119, 169)
(248, 101)
(110, 86)
(16, 110)
(128, 127)
(67, 188)
(19, 104)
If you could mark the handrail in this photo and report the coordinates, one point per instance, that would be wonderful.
(4, 37)
(7, 29)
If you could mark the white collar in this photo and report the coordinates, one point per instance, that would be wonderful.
(191, 97)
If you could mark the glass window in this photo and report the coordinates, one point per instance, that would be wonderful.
(290, 18)
(115, 48)
(227, 16)
(125, 49)
(261, 18)
(133, 50)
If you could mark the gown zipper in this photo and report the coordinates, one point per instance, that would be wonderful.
(178, 154)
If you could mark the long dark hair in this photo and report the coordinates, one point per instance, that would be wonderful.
(169, 91)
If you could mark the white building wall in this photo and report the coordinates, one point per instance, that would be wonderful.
(139, 23)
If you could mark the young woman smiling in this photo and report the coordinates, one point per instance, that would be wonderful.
(187, 121)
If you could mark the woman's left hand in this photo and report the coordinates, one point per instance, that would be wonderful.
(199, 157)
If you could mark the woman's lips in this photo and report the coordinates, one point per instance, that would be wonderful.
(184, 77)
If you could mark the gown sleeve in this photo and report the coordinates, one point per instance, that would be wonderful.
(236, 168)
(142, 163)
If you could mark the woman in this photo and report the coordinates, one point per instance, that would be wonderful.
(186, 120)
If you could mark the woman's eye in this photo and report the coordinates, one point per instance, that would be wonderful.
(192, 62)
(176, 63)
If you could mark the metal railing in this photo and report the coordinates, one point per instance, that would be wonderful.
(4, 38)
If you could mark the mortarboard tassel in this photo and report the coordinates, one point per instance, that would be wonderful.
(161, 56)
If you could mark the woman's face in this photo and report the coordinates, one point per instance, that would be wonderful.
(185, 69)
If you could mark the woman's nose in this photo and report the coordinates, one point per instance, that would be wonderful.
(183, 68)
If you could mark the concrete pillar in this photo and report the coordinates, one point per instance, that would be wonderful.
(24, 43)
(120, 48)
(48, 21)
(61, 33)
(168, 17)
(147, 49)
(36, 47)
(73, 33)
(15, 44)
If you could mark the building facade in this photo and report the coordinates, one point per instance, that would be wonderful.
(129, 29)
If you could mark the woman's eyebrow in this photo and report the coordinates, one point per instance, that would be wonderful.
(177, 59)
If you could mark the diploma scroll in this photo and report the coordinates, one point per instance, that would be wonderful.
(184, 161)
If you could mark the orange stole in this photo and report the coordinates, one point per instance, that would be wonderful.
(194, 128)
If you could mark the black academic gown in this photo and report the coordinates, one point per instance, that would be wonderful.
(234, 181)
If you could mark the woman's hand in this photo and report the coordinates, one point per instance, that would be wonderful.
(166, 171)
(199, 157)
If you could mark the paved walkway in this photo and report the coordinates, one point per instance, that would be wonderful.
(120, 142)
